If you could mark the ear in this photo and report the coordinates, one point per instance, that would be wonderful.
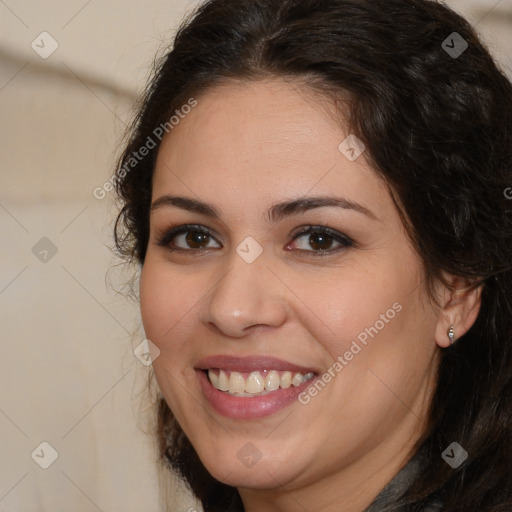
(459, 308)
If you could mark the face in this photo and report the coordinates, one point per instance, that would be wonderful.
(276, 255)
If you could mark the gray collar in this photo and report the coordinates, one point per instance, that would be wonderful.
(390, 498)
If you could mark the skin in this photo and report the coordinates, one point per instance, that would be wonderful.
(243, 148)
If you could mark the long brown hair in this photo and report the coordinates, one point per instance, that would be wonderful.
(436, 119)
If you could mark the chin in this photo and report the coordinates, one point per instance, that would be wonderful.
(239, 463)
(263, 475)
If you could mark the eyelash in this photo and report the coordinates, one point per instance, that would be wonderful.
(165, 239)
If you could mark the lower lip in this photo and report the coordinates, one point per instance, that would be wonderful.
(249, 407)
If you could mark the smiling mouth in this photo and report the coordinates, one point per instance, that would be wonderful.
(255, 383)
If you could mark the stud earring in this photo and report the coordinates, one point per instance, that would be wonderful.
(451, 335)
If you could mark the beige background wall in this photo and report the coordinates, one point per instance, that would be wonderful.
(68, 374)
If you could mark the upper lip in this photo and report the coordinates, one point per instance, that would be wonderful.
(250, 364)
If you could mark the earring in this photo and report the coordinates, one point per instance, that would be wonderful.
(451, 335)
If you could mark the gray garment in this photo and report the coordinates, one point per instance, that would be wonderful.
(389, 499)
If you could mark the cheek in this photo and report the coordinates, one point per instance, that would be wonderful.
(166, 312)
(155, 302)
(357, 304)
(379, 322)
(166, 301)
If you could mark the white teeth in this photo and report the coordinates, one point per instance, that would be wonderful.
(257, 383)
(214, 378)
(297, 380)
(272, 380)
(236, 383)
(286, 380)
(223, 382)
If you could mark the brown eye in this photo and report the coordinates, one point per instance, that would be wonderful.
(187, 238)
(319, 241)
(196, 239)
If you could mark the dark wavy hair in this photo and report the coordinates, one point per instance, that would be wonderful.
(438, 130)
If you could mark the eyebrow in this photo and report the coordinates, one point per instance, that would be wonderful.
(275, 213)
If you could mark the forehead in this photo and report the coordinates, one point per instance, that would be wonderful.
(252, 141)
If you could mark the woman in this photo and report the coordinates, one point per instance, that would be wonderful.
(315, 192)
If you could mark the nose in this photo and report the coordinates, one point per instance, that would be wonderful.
(246, 297)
